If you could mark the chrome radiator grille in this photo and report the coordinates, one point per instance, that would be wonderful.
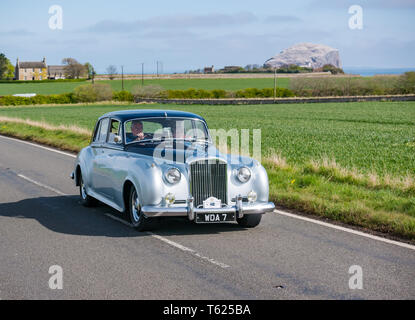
(208, 179)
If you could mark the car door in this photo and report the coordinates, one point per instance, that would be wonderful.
(87, 164)
(98, 161)
(112, 162)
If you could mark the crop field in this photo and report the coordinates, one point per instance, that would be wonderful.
(174, 84)
(352, 162)
(372, 137)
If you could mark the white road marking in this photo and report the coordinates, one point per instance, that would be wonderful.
(119, 219)
(359, 233)
(174, 244)
(191, 251)
(40, 146)
(325, 224)
(42, 185)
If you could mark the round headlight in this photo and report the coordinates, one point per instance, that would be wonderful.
(173, 175)
(244, 174)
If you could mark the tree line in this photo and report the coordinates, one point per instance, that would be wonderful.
(6, 68)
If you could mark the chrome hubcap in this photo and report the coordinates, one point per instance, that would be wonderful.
(135, 207)
(83, 191)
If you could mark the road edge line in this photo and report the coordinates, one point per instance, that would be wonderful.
(41, 185)
(344, 229)
(39, 146)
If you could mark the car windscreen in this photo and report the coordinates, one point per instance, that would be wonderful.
(157, 129)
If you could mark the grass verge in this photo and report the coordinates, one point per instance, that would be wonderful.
(345, 196)
(64, 138)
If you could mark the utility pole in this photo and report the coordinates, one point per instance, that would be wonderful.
(122, 77)
(159, 68)
(275, 83)
(142, 74)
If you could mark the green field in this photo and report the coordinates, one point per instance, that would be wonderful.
(174, 84)
(373, 136)
(352, 162)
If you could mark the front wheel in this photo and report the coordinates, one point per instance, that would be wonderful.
(250, 220)
(137, 218)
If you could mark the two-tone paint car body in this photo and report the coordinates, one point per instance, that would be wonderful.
(165, 176)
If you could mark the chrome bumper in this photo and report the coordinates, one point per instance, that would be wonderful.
(239, 208)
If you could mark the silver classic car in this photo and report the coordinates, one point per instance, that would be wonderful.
(156, 163)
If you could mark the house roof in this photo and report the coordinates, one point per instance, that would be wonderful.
(56, 69)
(31, 64)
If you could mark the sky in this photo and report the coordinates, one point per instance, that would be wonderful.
(192, 34)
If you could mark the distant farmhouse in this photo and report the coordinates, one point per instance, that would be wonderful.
(38, 70)
(29, 70)
(56, 72)
(231, 69)
(209, 69)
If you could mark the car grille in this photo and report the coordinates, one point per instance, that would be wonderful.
(208, 179)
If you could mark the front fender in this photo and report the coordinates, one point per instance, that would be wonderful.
(147, 178)
(258, 182)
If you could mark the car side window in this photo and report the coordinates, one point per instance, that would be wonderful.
(96, 132)
(103, 130)
(114, 131)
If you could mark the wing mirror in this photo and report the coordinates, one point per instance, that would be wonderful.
(117, 139)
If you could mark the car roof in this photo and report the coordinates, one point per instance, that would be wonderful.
(125, 115)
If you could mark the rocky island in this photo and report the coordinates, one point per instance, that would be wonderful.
(307, 55)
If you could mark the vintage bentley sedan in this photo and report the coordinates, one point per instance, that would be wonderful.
(155, 163)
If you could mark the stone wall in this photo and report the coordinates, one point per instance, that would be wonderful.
(278, 100)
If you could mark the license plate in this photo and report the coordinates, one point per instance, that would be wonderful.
(215, 217)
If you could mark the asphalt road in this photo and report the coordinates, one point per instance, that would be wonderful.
(42, 224)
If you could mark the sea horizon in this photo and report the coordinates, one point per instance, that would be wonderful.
(372, 71)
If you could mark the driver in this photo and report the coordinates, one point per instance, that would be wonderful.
(137, 130)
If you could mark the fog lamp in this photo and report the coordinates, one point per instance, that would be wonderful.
(169, 198)
(252, 196)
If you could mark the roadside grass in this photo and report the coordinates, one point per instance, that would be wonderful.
(62, 138)
(349, 162)
(383, 208)
(46, 126)
(174, 84)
